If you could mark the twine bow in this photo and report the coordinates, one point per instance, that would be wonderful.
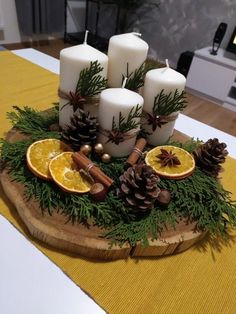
(116, 136)
(76, 100)
(159, 121)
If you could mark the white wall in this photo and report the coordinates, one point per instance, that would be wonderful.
(9, 32)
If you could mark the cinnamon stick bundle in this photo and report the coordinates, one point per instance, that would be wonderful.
(136, 153)
(85, 163)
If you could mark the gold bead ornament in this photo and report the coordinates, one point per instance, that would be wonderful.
(98, 148)
(106, 158)
(86, 149)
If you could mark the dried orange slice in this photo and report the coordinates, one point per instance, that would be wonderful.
(65, 173)
(40, 153)
(176, 171)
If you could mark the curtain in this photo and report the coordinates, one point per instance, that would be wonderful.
(40, 16)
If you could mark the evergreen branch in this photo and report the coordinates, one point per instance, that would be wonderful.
(190, 145)
(90, 82)
(129, 123)
(33, 123)
(165, 104)
(134, 231)
(198, 197)
(135, 79)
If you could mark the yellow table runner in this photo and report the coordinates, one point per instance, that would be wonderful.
(196, 281)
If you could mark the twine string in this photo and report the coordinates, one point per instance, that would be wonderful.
(76, 100)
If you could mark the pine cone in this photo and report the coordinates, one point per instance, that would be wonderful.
(82, 130)
(139, 188)
(210, 155)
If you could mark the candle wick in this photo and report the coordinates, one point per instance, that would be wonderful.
(167, 63)
(86, 37)
(124, 82)
(137, 34)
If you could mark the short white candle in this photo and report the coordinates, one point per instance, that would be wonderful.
(114, 101)
(72, 61)
(156, 80)
(125, 48)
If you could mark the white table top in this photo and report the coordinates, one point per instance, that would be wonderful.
(35, 285)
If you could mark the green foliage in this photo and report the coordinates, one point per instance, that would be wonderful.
(202, 198)
(197, 197)
(165, 104)
(135, 79)
(190, 145)
(130, 123)
(90, 82)
(134, 231)
(36, 125)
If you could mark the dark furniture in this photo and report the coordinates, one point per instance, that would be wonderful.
(94, 39)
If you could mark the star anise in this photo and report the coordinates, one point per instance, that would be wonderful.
(168, 158)
(76, 100)
(156, 121)
(115, 137)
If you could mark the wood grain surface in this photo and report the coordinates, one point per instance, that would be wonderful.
(88, 241)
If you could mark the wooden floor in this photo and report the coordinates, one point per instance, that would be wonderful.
(199, 109)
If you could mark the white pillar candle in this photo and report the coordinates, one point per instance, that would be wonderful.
(156, 80)
(114, 101)
(125, 48)
(72, 61)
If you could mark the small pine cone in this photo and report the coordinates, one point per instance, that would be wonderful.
(139, 188)
(81, 131)
(210, 155)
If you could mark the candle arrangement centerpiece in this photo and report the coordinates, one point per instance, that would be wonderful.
(103, 157)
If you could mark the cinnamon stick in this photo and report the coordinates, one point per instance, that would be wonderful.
(136, 153)
(86, 164)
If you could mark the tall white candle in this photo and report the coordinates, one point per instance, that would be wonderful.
(124, 49)
(156, 80)
(114, 101)
(72, 61)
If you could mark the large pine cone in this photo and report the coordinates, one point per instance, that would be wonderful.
(139, 188)
(81, 131)
(210, 155)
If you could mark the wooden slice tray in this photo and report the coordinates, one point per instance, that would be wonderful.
(87, 241)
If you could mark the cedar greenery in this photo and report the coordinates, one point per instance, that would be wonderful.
(135, 79)
(125, 125)
(90, 82)
(30, 122)
(197, 197)
(165, 104)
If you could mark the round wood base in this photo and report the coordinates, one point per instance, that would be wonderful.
(87, 240)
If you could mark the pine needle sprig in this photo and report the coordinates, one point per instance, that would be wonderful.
(190, 145)
(128, 123)
(14, 155)
(198, 197)
(165, 104)
(31, 122)
(202, 189)
(134, 231)
(90, 82)
(135, 79)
